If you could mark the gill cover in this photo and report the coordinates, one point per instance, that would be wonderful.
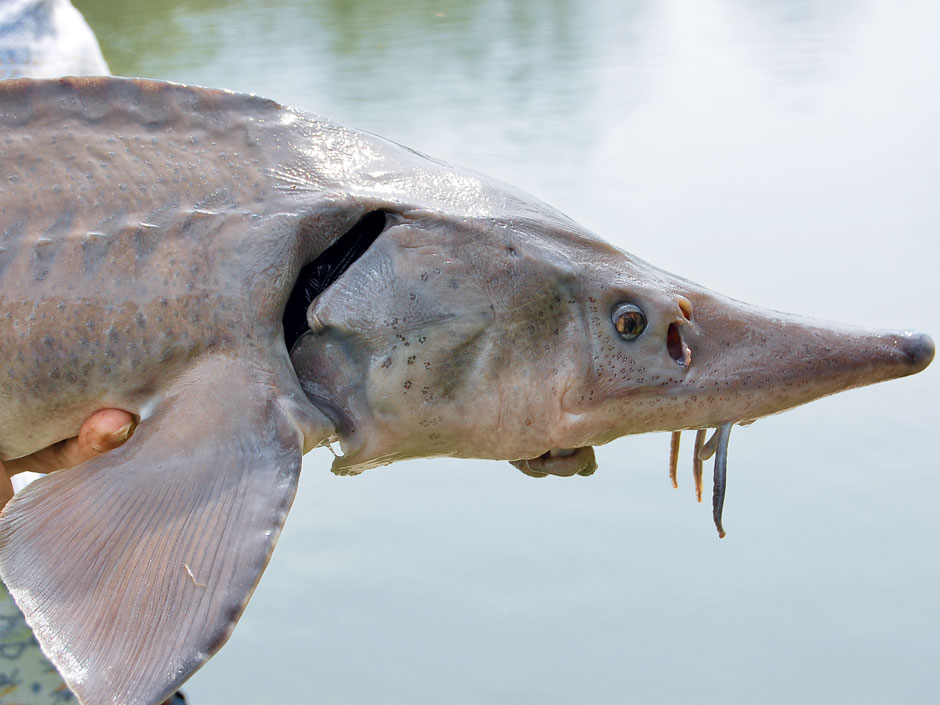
(443, 339)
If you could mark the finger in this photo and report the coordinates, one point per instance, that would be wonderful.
(6, 487)
(102, 431)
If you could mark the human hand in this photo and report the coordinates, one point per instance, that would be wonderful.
(102, 431)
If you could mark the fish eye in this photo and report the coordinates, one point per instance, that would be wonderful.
(629, 321)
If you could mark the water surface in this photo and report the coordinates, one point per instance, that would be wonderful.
(784, 152)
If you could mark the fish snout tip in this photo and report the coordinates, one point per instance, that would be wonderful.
(919, 349)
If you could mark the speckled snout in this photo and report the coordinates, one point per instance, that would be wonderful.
(674, 356)
(756, 362)
(702, 360)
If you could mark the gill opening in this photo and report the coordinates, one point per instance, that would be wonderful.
(329, 266)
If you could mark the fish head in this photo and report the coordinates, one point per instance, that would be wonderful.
(446, 337)
(531, 340)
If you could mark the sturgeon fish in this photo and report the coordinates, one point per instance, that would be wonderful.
(252, 282)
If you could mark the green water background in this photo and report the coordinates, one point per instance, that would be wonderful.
(783, 152)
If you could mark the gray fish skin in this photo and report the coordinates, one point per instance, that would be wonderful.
(150, 237)
(127, 256)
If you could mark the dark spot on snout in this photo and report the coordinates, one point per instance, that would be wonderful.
(918, 348)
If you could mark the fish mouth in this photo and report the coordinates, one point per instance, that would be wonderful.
(563, 462)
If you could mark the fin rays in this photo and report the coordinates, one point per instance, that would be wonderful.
(135, 580)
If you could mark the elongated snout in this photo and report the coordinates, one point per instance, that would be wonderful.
(673, 355)
(745, 362)
(919, 349)
(740, 363)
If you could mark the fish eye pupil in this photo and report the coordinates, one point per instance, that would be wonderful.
(629, 321)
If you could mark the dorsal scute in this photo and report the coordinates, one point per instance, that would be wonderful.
(124, 101)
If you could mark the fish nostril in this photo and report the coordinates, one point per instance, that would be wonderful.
(674, 344)
(686, 307)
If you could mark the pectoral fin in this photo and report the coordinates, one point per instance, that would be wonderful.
(133, 568)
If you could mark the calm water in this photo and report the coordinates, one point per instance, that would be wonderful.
(783, 152)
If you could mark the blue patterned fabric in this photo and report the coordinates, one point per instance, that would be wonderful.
(26, 676)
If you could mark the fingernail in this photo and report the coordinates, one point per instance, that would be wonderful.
(122, 434)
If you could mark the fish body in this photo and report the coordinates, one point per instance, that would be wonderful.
(252, 281)
(131, 274)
